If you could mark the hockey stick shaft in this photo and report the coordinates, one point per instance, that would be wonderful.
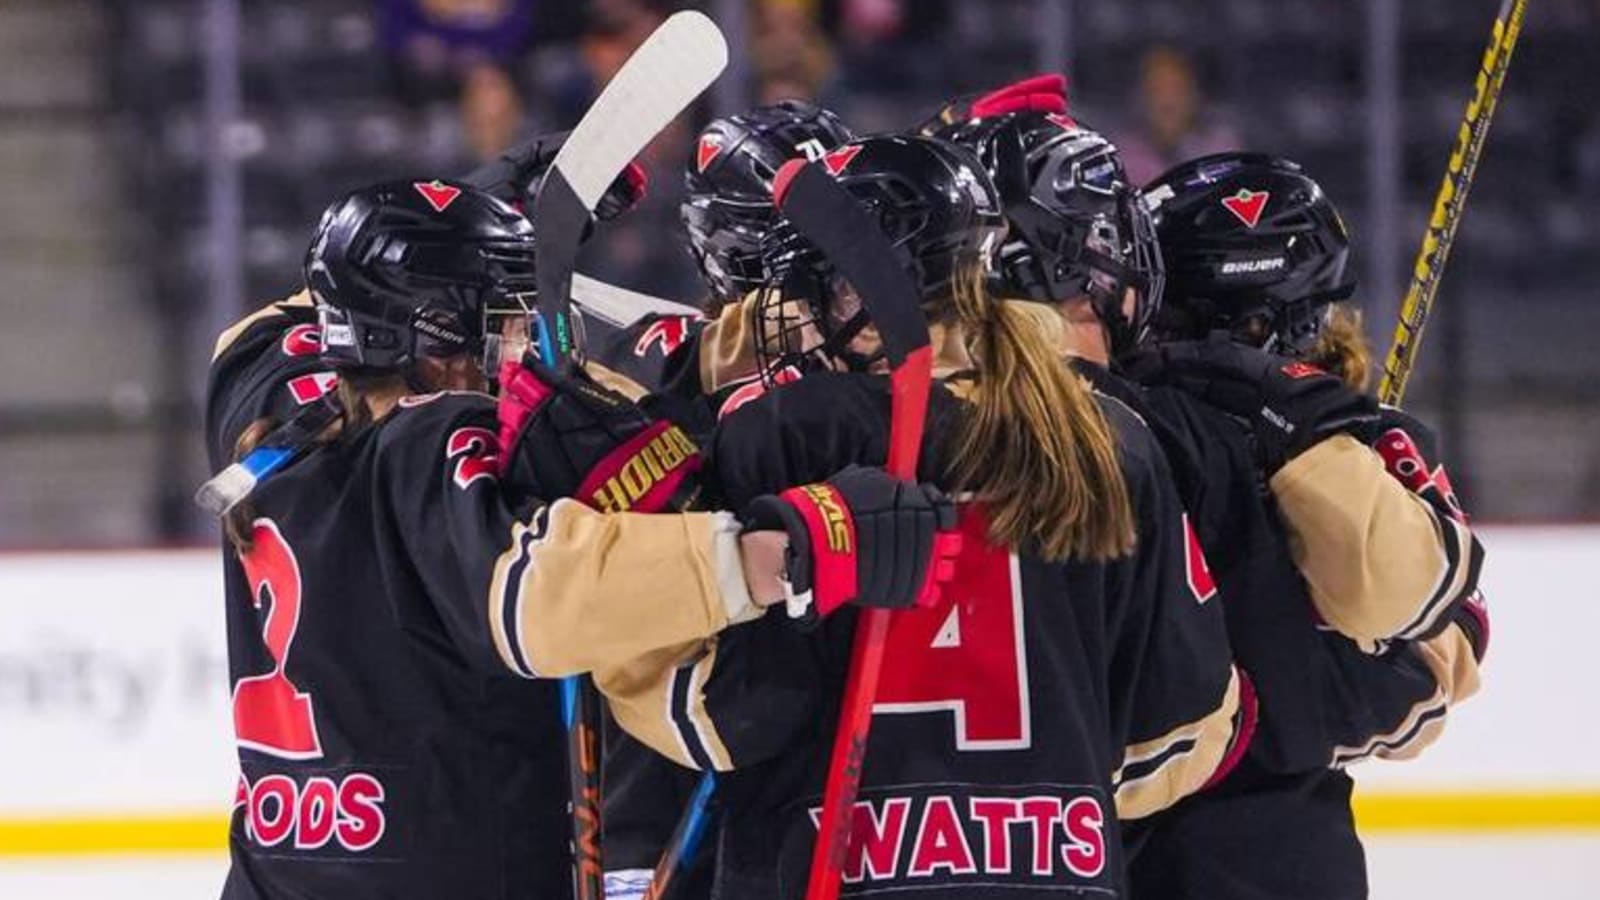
(668, 71)
(851, 240)
(684, 845)
(829, 217)
(1451, 201)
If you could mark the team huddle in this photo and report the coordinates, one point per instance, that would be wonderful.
(1164, 572)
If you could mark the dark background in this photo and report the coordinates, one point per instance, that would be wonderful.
(162, 163)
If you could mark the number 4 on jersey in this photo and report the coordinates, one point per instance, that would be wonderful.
(966, 655)
(271, 714)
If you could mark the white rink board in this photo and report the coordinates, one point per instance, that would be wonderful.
(113, 682)
(1538, 704)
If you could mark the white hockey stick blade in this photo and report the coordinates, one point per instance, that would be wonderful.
(668, 71)
(620, 306)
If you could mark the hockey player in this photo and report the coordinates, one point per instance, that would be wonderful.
(696, 366)
(727, 212)
(394, 595)
(1075, 672)
(1076, 242)
(1355, 498)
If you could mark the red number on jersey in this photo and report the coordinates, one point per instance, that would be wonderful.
(966, 655)
(1195, 567)
(667, 333)
(270, 714)
(476, 452)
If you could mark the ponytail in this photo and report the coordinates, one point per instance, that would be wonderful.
(1036, 447)
(1342, 349)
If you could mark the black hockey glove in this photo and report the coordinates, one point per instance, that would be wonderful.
(514, 177)
(1290, 405)
(566, 436)
(863, 537)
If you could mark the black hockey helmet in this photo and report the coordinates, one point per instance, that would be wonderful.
(932, 198)
(727, 207)
(1252, 245)
(1078, 227)
(406, 269)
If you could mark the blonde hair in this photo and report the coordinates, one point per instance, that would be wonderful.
(1342, 349)
(1036, 447)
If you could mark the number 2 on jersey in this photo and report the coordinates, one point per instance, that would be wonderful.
(271, 714)
(966, 655)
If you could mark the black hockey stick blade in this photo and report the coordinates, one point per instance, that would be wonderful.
(829, 218)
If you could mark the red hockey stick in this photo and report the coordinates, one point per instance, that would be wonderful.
(830, 218)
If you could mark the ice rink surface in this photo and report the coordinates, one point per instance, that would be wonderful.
(1528, 866)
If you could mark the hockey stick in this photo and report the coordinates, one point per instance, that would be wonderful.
(686, 838)
(619, 306)
(282, 446)
(1451, 201)
(827, 216)
(848, 236)
(668, 71)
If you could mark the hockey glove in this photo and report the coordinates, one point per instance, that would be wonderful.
(514, 177)
(566, 436)
(1289, 405)
(1041, 93)
(863, 537)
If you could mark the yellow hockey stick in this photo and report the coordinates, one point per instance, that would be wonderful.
(1452, 199)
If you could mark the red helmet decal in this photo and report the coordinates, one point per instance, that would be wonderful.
(1062, 121)
(1247, 206)
(1298, 370)
(709, 149)
(438, 194)
(840, 159)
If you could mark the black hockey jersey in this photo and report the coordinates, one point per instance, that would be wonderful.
(1013, 722)
(1325, 701)
(386, 626)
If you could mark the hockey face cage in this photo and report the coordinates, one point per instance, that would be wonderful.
(1078, 227)
(727, 209)
(725, 238)
(799, 325)
(807, 316)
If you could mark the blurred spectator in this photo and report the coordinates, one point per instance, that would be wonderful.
(872, 21)
(615, 29)
(445, 38)
(465, 49)
(792, 58)
(491, 111)
(1174, 125)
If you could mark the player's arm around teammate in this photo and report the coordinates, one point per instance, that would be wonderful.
(544, 588)
(1383, 545)
(1078, 652)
